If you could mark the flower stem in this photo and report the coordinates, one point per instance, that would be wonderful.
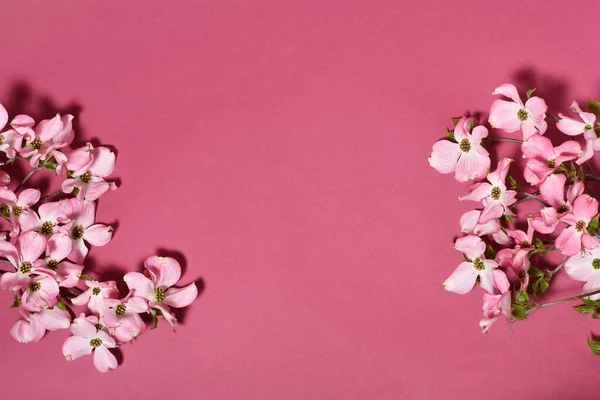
(51, 195)
(553, 116)
(497, 139)
(581, 296)
(29, 175)
(592, 177)
(559, 266)
(531, 196)
(589, 165)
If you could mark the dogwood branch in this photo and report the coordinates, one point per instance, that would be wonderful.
(581, 296)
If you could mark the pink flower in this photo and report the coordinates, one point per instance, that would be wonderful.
(50, 135)
(20, 207)
(511, 116)
(10, 140)
(165, 272)
(96, 295)
(42, 292)
(51, 215)
(517, 258)
(545, 159)
(552, 191)
(465, 276)
(466, 157)
(573, 127)
(497, 305)
(572, 238)
(123, 317)
(31, 246)
(87, 339)
(33, 326)
(66, 273)
(90, 166)
(471, 225)
(82, 228)
(493, 195)
(585, 267)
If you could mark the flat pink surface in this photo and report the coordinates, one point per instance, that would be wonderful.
(281, 147)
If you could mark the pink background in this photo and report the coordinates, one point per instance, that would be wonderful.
(281, 147)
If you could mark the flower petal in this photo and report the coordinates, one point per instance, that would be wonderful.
(165, 271)
(98, 234)
(462, 279)
(444, 156)
(181, 297)
(471, 165)
(104, 164)
(32, 245)
(470, 245)
(75, 347)
(503, 115)
(553, 190)
(143, 286)
(569, 241)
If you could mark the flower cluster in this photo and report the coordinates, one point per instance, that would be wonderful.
(46, 243)
(504, 247)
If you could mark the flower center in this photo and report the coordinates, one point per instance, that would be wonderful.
(95, 342)
(496, 192)
(47, 228)
(77, 232)
(85, 178)
(587, 127)
(120, 309)
(580, 226)
(52, 264)
(25, 267)
(465, 145)
(35, 286)
(36, 144)
(17, 210)
(160, 294)
(525, 244)
(522, 114)
(596, 263)
(99, 326)
(1, 139)
(96, 291)
(551, 163)
(478, 264)
(562, 209)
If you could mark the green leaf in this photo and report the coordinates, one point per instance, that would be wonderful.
(518, 312)
(509, 218)
(530, 92)
(155, 313)
(6, 211)
(83, 277)
(537, 242)
(590, 302)
(594, 106)
(583, 309)
(450, 135)
(16, 303)
(511, 182)
(61, 305)
(522, 297)
(594, 346)
(533, 271)
(593, 225)
(544, 285)
(490, 253)
(49, 165)
(595, 315)
(455, 120)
